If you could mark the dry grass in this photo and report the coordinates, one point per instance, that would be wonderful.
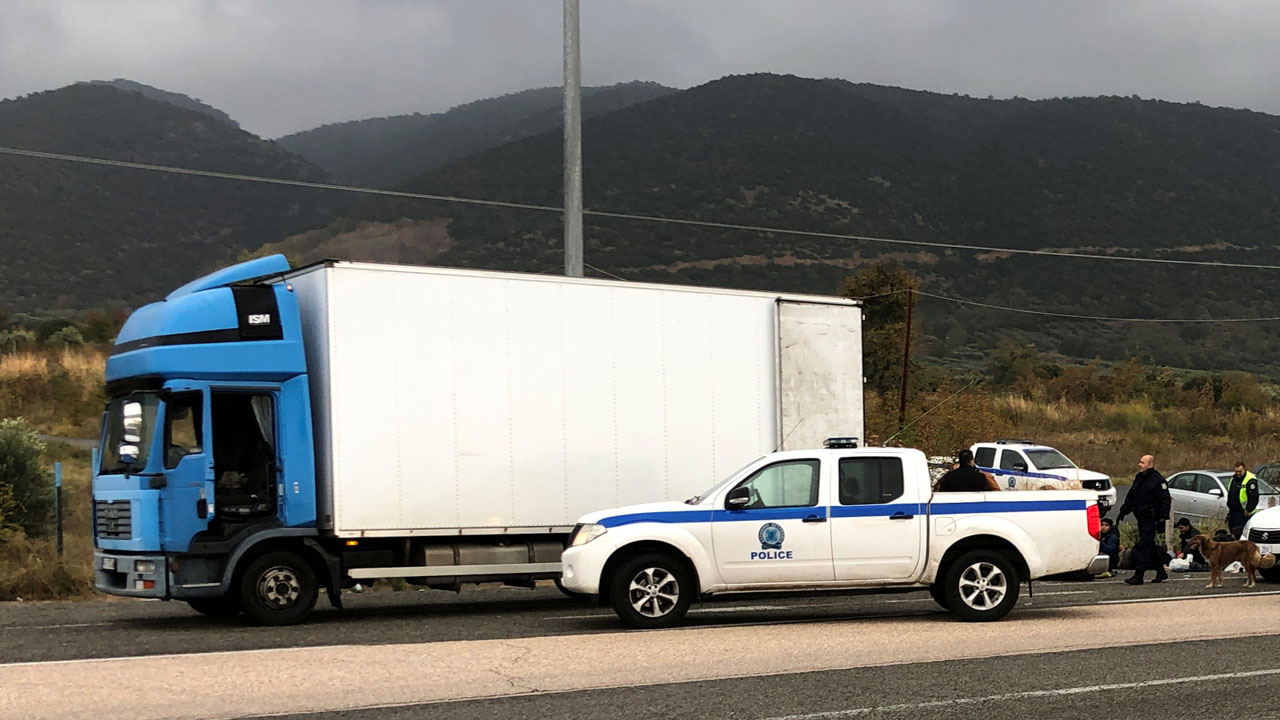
(58, 391)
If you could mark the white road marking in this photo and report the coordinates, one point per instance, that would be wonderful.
(1205, 596)
(1027, 695)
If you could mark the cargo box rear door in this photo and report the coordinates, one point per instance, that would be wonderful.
(819, 373)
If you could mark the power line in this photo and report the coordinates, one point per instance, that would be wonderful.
(627, 216)
(1103, 318)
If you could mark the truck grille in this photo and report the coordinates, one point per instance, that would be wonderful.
(114, 519)
(1265, 536)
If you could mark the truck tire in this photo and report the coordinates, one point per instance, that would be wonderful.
(1271, 574)
(278, 588)
(224, 606)
(938, 595)
(981, 586)
(651, 591)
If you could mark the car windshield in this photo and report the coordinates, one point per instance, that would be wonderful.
(113, 431)
(712, 490)
(1049, 459)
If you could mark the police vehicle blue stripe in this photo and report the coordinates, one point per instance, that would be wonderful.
(842, 511)
(1023, 473)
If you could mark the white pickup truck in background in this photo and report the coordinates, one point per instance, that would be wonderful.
(1025, 465)
(840, 518)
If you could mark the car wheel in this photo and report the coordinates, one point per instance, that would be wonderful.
(278, 588)
(981, 586)
(1270, 574)
(651, 591)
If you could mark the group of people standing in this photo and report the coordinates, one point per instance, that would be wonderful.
(1149, 502)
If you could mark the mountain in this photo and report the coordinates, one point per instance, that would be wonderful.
(381, 152)
(173, 98)
(1110, 175)
(76, 236)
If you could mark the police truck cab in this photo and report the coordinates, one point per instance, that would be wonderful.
(837, 518)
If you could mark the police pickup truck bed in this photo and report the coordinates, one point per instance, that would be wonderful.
(831, 519)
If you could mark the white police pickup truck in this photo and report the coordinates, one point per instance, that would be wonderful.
(840, 518)
(1024, 465)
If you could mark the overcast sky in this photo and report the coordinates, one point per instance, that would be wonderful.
(278, 66)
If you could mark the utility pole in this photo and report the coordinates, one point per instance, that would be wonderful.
(906, 363)
(572, 143)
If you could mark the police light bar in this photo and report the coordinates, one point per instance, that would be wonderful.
(840, 442)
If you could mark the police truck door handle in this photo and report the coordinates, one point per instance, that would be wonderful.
(815, 518)
(900, 516)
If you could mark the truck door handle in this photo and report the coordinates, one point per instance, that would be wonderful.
(900, 516)
(815, 518)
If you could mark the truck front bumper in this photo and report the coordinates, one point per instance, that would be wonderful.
(131, 575)
(1098, 565)
(581, 566)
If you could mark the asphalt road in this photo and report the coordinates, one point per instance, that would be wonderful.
(507, 653)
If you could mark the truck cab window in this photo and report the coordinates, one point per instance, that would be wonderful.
(183, 428)
(985, 457)
(870, 481)
(1012, 460)
(784, 484)
(244, 455)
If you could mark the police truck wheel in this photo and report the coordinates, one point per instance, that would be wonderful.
(651, 591)
(278, 588)
(224, 606)
(981, 586)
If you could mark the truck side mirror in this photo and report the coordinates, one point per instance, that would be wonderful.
(739, 497)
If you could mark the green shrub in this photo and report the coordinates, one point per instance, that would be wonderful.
(27, 483)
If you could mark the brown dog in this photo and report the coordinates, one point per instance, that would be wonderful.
(1222, 554)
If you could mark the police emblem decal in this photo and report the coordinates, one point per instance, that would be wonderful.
(771, 536)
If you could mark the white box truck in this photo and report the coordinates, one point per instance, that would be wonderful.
(273, 432)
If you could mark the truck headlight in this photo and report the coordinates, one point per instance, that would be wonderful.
(586, 533)
(146, 567)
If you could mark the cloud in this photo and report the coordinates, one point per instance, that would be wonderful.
(288, 65)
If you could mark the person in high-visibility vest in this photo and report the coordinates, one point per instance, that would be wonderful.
(1242, 499)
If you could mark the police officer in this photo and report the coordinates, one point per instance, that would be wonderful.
(1242, 499)
(1149, 502)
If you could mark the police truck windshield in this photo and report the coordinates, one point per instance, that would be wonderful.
(113, 433)
(1048, 459)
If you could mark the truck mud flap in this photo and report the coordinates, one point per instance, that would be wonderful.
(333, 566)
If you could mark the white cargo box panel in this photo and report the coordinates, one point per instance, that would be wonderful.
(450, 401)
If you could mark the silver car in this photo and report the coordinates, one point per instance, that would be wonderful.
(1201, 495)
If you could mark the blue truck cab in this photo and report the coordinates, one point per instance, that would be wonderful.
(206, 452)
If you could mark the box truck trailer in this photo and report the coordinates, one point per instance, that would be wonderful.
(273, 433)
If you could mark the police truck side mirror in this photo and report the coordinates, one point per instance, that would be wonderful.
(739, 497)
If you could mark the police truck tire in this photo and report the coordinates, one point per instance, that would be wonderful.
(981, 586)
(223, 606)
(651, 591)
(278, 588)
(939, 596)
(1271, 574)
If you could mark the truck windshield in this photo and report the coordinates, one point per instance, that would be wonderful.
(1049, 459)
(113, 432)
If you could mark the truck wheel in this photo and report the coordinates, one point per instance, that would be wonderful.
(981, 586)
(278, 588)
(939, 596)
(1271, 574)
(224, 606)
(651, 591)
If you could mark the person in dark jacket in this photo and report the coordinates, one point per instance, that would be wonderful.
(965, 478)
(1149, 501)
(1186, 531)
(1109, 545)
(1242, 499)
